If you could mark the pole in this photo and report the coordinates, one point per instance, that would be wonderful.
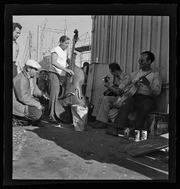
(37, 56)
(30, 38)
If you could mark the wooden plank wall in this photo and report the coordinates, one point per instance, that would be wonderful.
(121, 38)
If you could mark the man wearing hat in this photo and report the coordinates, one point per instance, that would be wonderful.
(25, 90)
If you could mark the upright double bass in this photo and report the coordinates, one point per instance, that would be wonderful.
(74, 82)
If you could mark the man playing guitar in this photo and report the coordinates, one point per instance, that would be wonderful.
(104, 103)
(144, 99)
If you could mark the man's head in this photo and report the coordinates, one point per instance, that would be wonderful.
(115, 69)
(16, 30)
(32, 67)
(43, 74)
(64, 42)
(145, 59)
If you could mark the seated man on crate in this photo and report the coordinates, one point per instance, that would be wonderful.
(43, 86)
(147, 84)
(105, 103)
(27, 110)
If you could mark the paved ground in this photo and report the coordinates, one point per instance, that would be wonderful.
(61, 153)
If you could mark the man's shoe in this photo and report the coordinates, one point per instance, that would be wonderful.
(94, 123)
(18, 123)
(52, 119)
(112, 131)
(41, 125)
(38, 124)
(99, 125)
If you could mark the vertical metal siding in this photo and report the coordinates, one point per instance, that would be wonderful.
(105, 39)
(124, 43)
(121, 38)
(130, 44)
(119, 34)
(164, 58)
(137, 41)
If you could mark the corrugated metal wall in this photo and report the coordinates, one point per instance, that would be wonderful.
(122, 38)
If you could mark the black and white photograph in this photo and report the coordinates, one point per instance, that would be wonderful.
(87, 93)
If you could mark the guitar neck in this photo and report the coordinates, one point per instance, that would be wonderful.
(142, 77)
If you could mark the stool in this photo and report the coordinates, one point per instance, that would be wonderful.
(154, 119)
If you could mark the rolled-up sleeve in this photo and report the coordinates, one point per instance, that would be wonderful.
(156, 84)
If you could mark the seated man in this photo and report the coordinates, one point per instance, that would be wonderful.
(105, 103)
(42, 81)
(43, 86)
(144, 99)
(25, 91)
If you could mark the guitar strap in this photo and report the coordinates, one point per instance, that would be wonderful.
(138, 75)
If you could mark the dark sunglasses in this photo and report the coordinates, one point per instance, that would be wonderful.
(142, 60)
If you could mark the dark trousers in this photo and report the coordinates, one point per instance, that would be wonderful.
(142, 104)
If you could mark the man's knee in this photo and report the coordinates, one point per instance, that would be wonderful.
(34, 113)
(39, 114)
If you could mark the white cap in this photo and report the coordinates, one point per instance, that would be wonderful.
(33, 64)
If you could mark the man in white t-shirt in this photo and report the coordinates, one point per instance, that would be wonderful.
(56, 77)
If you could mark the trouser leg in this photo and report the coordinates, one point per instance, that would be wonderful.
(105, 106)
(143, 107)
(97, 106)
(53, 89)
(122, 117)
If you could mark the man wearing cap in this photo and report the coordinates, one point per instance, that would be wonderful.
(25, 90)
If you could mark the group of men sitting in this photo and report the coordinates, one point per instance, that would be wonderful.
(147, 84)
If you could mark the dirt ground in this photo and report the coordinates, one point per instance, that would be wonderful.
(61, 153)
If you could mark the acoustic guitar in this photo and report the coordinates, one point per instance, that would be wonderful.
(110, 92)
(131, 89)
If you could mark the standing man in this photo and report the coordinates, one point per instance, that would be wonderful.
(144, 100)
(16, 33)
(56, 77)
(25, 92)
(105, 103)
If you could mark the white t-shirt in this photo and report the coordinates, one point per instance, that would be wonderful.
(62, 57)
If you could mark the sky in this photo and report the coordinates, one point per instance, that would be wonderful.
(30, 23)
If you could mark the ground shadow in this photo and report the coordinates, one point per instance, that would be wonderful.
(94, 144)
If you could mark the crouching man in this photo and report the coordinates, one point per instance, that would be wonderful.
(26, 106)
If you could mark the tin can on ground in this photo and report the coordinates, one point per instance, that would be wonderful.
(143, 135)
(137, 135)
(126, 133)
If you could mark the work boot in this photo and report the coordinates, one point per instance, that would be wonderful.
(52, 119)
(19, 123)
(94, 123)
(38, 124)
(99, 125)
(112, 131)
